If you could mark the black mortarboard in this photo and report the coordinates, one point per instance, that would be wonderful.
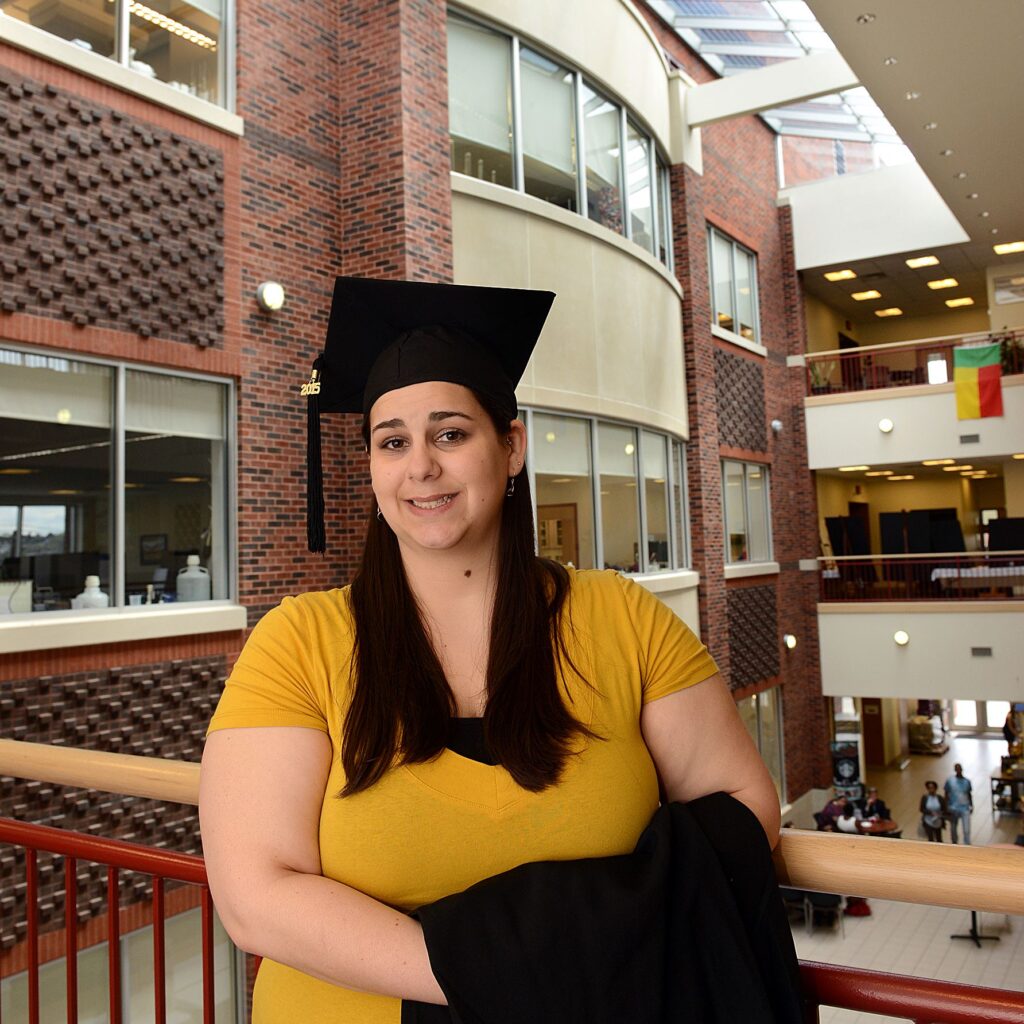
(384, 335)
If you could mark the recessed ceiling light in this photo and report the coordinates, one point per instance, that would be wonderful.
(906, 476)
(870, 294)
(902, 637)
(984, 213)
(64, 490)
(186, 479)
(966, 300)
(891, 61)
(886, 425)
(913, 95)
(930, 126)
(972, 195)
(1019, 455)
(853, 469)
(945, 152)
(939, 462)
(967, 472)
(945, 282)
(561, 480)
(891, 311)
(865, 19)
(960, 175)
(995, 231)
(955, 469)
(17, 471)
(840, 275)
(879, 472)
(922, 261)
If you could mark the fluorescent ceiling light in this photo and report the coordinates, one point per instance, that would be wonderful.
(879, 472)
(840, 275)
(907, 476)
(871, 294)
(853, 469)
(1019, 455)
(28, 472)
(939, 462)
(1005, 247)
(891, 311)
(944, 282)
(955, 469)
(966, 300)
(922, 261)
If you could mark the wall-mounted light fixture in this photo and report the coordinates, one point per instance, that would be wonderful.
(885, 425)
(901, 637)
(776, 426)
(789, 640)
(270, 296)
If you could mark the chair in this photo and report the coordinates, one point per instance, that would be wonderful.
(821, 819)
(795, 902)
(819, 906)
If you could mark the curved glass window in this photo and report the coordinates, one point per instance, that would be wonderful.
(549, 130)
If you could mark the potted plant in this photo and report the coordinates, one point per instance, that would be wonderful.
(821, 376)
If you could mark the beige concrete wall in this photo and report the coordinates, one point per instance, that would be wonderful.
(613, 342)
(1013, 483)
(606, 39)
(679, 591)
(824, 324)
(897, 328)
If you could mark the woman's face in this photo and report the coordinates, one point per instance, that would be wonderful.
(931, 787)
(438, 467)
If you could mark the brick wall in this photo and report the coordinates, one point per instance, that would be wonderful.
(733, 395)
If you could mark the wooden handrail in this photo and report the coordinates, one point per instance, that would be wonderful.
(928, 556)
(966, 877)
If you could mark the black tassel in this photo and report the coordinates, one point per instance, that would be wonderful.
(316, 534)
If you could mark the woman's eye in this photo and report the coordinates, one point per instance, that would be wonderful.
(393, 444)
(451, 435)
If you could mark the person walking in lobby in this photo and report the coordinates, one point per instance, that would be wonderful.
(960, 802)
(933, 812)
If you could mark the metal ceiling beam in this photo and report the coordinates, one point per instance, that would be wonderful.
(767, 88)
(696, 21)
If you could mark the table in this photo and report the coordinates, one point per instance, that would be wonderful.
(882, 827)
(1015, 784)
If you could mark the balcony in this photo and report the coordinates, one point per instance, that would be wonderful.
(850, 393)
(968, 878)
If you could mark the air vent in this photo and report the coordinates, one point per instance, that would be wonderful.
(876, 276)
(970, 438)
(981, 652)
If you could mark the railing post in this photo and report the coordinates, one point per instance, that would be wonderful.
(159, 979)
(114, 944)
(71, 936)
(208, 993)
(32, 938)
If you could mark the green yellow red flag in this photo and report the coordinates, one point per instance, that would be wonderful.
(978, 377)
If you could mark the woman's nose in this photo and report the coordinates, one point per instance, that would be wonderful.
(422, 463)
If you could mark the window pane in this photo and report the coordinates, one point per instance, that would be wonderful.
(722, 260)
(664, 213)
(995, 713)
(549, 130)
(480, 102)
(565, 496)
(638, 182)
(746, 283)
(88, 24)
(178, 43)
(620, 513)
(8, 526)
(603, 154)
(175, 487)
(965, 713)
(679, 500)
(735, 516)
(771, 736)
(656, 499)
(55, 466)
(748, 713)
(757, 505)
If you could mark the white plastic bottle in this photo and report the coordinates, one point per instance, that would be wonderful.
(193, 582)
(92, 596)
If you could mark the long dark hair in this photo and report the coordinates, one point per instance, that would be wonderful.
(401, 703)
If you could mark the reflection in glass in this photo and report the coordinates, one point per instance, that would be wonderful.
(735, 511)
(55, 475)
(620, 512)
(638, 183)
(480, 102)
(682, 556)
(656, 500)
(89, 24)
(549, 130)
(178, 43)
(174, 483)
(664, 213)
(563, 470)
(770, 743)
(745, 285)
(721, 261)
(757, 505)
(603, 159)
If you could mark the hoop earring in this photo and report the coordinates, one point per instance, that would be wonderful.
(379, 516)
(511, 487)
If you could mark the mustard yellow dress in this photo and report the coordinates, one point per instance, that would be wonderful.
(428, 830)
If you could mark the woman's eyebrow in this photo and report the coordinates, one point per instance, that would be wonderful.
(388, 425)
(446, 414)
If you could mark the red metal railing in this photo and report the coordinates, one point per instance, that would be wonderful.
(956, 576)
(925, 1001)
(116, 855)
(895, 366)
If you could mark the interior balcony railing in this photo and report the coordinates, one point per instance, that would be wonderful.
(901, 364)
(965, 877)
(939, 576)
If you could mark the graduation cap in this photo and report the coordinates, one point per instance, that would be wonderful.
(384, 335)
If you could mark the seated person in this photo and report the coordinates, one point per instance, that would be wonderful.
(847, 821)
(874, 807)
(827, 816)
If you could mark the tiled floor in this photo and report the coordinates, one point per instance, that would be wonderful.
(908, 939)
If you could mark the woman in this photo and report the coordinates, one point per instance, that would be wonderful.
(933, 812)
(333, 800)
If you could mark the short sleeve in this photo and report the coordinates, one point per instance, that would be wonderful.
(279, 678)
(673, 657)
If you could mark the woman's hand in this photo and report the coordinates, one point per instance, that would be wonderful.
(700, 746)
(260, 796)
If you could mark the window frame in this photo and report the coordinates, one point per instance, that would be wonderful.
(754, 343)
(119, 394)
(769, 541)
(658, 183)
(679, 553)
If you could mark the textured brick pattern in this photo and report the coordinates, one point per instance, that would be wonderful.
(108, 221)
(158, 710)
(753, 635)
(739, 384)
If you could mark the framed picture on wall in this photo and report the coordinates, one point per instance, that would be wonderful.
(152, 548)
